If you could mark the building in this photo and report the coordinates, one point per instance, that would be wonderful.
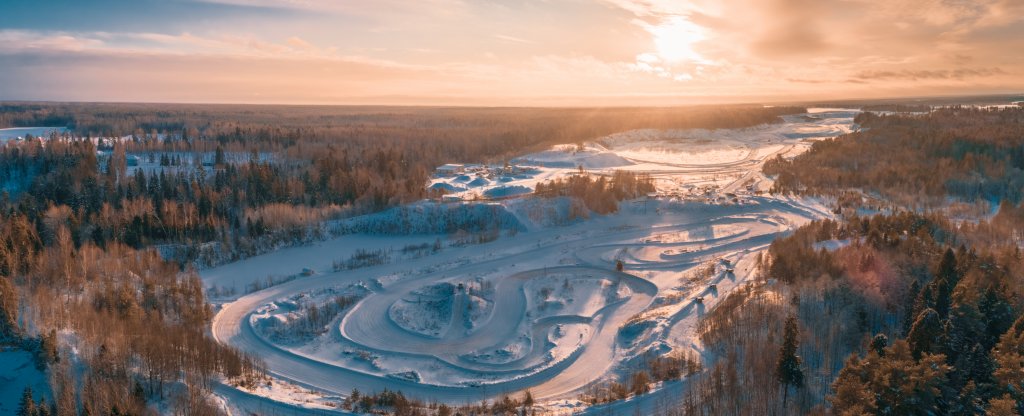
(450, 169)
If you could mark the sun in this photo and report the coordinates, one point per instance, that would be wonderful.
(674, 39)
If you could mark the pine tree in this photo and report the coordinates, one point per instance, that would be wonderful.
(878, 344)
(997, 315)
(1009, 359)
(947, 268)
(978, 366)
(27, 405)
(942, 297)
(788, 371)
(964, 328)
(897, 384)
(925, 300)
(851, 395)
(924, 333)
(43, 409)
(219, 156)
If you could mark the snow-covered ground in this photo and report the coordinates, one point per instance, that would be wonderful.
(17, 371)
(684, 163)
(542, 308)
(18, 133)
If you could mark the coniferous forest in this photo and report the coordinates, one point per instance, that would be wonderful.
(896, 307)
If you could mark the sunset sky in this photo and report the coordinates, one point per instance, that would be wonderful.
(493, 52)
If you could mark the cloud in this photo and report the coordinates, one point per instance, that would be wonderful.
(299, 43)
(11, 40)
(928, 74)
(823, 40)
(184, 44)
(513, 39)
(502, 51)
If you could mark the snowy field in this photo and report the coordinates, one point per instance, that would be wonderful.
(542, 308)
(684, 163)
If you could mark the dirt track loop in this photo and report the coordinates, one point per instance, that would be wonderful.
(657, 245)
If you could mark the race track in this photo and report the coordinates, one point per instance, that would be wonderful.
(659, 245)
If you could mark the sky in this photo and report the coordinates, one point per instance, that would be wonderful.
(506, 52)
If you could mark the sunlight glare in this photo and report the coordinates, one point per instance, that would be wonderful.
(674, 38)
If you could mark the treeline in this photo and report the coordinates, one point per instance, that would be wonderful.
(893, 320)
(601, 195)
(967, 153)
(899, 108)
(237, 175)
(390, 402)
(353, 123)
(103, 204)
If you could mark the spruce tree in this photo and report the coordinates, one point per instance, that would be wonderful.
(43, 409)
(947, 268)
(27, 405)
(942, 297)
(878, 344)
(788, 371)
(997, 314)
(924, 333)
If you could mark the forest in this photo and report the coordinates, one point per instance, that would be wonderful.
(120, 325)
(917, 324)
(236, 175)
(923, 314)
(967, 153)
